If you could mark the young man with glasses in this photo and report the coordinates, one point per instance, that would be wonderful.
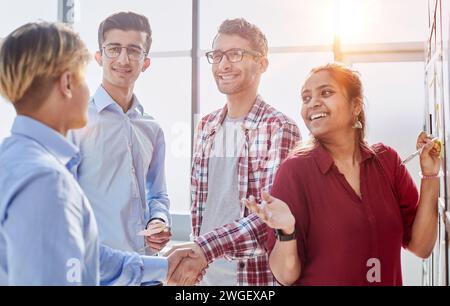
(123, 148)
(236, 154)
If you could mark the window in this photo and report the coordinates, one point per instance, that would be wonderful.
(170, 21)
(20, 12)
(285, 23)
(17, 14)
(382, 21)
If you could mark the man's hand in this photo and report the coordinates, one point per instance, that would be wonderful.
(190, 270)
(175, 257)
(158, 241)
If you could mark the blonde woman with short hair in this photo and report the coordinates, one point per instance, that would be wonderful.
(48, 233)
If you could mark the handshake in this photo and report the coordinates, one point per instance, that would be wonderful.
(187, 265)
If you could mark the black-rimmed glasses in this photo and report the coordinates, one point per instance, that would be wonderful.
(233, 55)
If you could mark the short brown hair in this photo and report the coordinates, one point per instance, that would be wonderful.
(246, 30)
(34, 56)
(125, 21)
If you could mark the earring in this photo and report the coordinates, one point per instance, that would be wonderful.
(357, 125)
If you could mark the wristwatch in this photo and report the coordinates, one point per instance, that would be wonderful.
(282, 237)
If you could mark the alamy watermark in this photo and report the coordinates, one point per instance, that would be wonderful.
(73, 274)
(374, 273)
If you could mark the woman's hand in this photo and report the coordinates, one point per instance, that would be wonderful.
(430, 158)
(274, 212)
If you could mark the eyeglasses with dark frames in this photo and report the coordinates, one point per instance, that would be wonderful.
(234, 55)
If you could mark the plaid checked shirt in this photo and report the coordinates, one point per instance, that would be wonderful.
(270, 136)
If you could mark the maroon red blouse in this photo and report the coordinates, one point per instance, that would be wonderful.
(338, 232)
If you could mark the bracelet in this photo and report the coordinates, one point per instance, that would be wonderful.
(431, 177)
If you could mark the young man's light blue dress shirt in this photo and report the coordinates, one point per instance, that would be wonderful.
(122, 170)
(48, 233)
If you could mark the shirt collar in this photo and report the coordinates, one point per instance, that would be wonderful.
(251, 121)
(51, 140)
(102, 100)
(325, 161)
(137, 106)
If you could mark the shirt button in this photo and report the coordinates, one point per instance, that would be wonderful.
(242, 265)
(133, 170)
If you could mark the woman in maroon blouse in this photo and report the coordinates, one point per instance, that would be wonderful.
(343, 209)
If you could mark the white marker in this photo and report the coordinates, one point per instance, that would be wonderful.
(418, 152)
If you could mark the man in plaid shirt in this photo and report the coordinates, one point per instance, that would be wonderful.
(225, 170)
